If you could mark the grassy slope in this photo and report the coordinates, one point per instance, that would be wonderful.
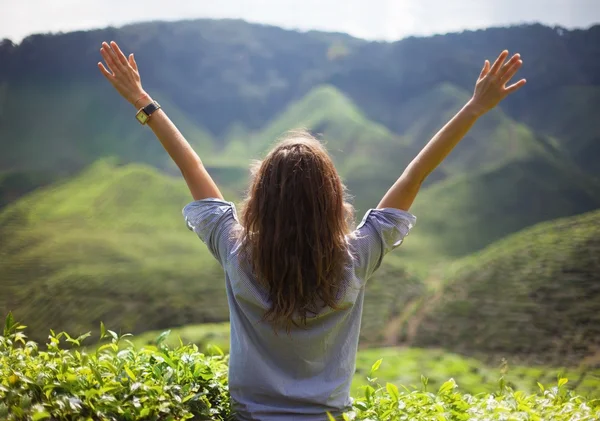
(467, 212)
(534, 295)
(326, 110)
(14, 184)
(108, 245)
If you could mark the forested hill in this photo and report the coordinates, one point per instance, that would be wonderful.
(227, 76)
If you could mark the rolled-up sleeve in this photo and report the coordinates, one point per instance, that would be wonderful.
(214, 221)
(380, 231)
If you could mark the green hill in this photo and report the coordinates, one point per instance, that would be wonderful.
(107, 245)
(467, 212)
(351, 138)
(495, 138)
(370, 157)
(575, 124)
(14, 184)
(534, 296)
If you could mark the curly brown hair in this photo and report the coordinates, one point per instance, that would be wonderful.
(295, 221)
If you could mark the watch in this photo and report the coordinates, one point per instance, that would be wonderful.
(144, 113)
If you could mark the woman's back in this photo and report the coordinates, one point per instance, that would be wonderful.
(276, 375)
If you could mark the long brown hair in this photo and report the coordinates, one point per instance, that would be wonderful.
(295, 219)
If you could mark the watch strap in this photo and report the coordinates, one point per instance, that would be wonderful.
(151, 108)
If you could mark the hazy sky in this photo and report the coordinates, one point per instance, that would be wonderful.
(372, 19)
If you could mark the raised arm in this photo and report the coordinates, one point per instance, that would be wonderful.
(123, 74)
(490, 89)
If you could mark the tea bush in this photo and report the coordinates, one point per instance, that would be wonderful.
(65, 382)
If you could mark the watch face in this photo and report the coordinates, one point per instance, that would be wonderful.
(142, 117)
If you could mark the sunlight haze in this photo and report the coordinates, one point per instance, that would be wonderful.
(374, 19)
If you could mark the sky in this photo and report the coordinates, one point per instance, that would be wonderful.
(369, 19)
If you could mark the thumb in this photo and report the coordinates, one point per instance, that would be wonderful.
(132, 61)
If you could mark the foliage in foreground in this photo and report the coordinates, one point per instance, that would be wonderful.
(162, 383)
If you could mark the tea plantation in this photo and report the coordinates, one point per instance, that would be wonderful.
(160, 382)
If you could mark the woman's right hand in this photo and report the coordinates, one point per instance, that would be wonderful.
(491, 87)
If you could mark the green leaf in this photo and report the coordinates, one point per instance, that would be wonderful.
(330, 417)
(376, 365)
(73, 341)
(84, 336)
(361, 405)
(392, 389)
(130, 374)
(386, 414)
(541, 386)
(113, 334)
(168, 360)
(214, 350)
(562, 381)
(9, 322)
(447, 386)
(502, 383)
(103, 347)
(369, 391)
(102, 330)
(161, 338)
(41, 415)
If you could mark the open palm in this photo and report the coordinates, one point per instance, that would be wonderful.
(491, 87)
(122, 72)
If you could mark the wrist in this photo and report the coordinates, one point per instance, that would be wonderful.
(141, 100)
(474, 109)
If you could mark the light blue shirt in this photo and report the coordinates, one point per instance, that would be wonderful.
(302, 375)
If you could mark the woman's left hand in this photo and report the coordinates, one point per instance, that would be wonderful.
(122, 72)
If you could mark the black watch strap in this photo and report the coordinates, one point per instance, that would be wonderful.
(151, 108)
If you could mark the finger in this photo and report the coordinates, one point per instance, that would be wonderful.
(132, 62)
(514, 59)
(109, 61)
(120, 56)
(498, 62)
(105, 72)
(485, 70)
(511, 72)
(515, 86)
(114, 61)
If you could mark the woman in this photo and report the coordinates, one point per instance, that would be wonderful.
(295, 273)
